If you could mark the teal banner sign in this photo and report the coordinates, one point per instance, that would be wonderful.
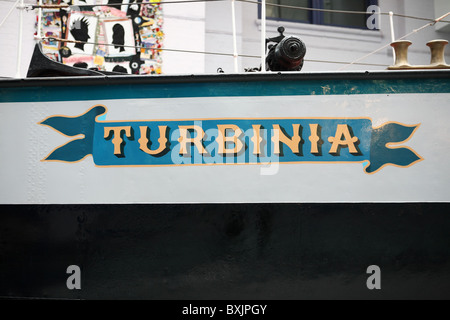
(232, 141)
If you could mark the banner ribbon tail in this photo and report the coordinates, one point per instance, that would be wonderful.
(381, 154)
(84, 124)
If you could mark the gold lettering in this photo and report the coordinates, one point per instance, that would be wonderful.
(256, 139)
(197, 140)
(222, 139)
(143, 140)
(349, 141)
(117, 140)
(314, 138)
(279, 136)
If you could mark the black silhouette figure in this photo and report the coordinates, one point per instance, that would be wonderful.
(81, 65)
(121, 69)
(80, 30)
(115, 3)
(118, 36)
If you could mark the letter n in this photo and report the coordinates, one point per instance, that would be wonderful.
(279, 137)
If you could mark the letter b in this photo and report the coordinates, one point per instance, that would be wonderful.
(230, 309)
(74, 281)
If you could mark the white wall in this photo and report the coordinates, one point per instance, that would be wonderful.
(219, 35)
(323, 42)
(184, 29)
(207, 27)
(418, 51)
(440, 8)
(9, 39)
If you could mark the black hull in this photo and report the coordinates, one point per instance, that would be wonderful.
(226, 251)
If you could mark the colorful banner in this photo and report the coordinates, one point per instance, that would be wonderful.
(232, 141)
(123, 36)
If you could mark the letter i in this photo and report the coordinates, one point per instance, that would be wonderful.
(314, 138)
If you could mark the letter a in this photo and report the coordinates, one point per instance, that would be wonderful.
(374, 281)
(373, 22)
(349, 141)
(74, 281)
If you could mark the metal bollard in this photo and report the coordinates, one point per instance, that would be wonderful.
(401, 54)
(437, 48)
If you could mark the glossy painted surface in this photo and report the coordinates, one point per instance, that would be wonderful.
(417, 100)
(225, 232)
(231, 85)
(233, 251)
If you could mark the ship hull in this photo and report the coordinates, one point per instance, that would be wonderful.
(94, 175)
